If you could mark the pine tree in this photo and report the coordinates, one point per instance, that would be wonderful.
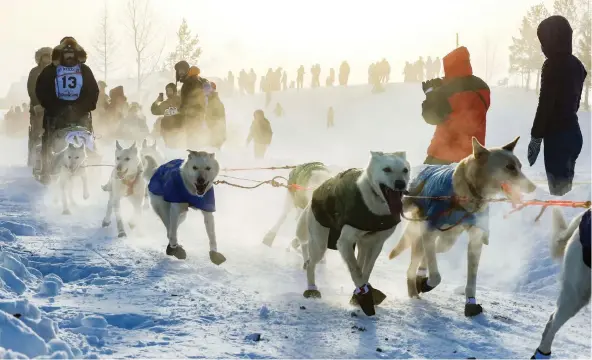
(519, 54)
(568, 9)
(584, 52)
(187, 49)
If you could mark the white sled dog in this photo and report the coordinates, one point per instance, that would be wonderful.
(68, 164)
(152, 151)
(126, 181)
(469, 183)
(178, 185)
(308, 176)
(571, 244)
(354, 208)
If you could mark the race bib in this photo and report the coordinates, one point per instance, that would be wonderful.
(68, 82)
(171, 111)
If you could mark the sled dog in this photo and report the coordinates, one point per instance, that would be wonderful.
(181, 184)
(126, 181)
(67, 164)
(308, 177)
(152, 151)
(481, 175)
(354, 208)
(571, 244)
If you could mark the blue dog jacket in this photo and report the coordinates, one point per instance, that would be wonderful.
(167, 182)
(438, 182)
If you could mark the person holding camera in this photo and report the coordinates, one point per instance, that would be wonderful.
(457, 105)
(165, 108)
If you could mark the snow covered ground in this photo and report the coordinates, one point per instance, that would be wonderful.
(79, 291)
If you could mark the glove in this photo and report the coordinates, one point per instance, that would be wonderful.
(430, 85)
(534, 147)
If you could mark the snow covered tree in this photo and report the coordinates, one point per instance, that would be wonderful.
(568, 9)
(104, 45)
(584, 53)
(187, 48)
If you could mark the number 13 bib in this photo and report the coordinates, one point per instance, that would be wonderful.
(68, 82)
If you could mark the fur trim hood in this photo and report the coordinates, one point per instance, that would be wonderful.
(41, 52)
(68, 41)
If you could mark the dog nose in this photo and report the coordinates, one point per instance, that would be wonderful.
(118, 167)
(201, 180)
(400, 185)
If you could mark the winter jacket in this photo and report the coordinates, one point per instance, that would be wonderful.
(458, 108)
(46, 92)
(260, 132)
(31, 82)
(193, 100)
(158, 107)
(216, 119)
(562, 79)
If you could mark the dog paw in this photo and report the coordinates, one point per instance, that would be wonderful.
(421, 283)
(132, 225)
(106, 223)
(312, 294)
(366, 301)
(269, 238)
(377, 295)
(121, 234)
(177, 252)
(66, 212)
(85, 196)
(473, 309)
(412, 288)
(217, 258)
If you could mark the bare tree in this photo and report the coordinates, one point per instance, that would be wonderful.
(490, 57)
(104, 44)
(139, 16)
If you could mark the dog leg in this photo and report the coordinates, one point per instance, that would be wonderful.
(573, 296)
(107, 219)
(288, 206)
(302, 234)
(137, 204)
(473, 258)
(215, 257)
(175, 218)
(428, 241)
(371, 255)
(314, 249)
(84, 177)
(117, 210)
(416, 258)
(64, 189)
(71, 193)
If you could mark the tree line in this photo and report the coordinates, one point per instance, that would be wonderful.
(526, 57)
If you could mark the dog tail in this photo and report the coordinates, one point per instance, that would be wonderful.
(151, 166)
(404, 243)
(562, 233)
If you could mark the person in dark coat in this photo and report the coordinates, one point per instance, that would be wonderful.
(260, 133)
(216, 118)
(68, 92)
(42, 58)
(457, 105)
(193, 101)
(556, 119)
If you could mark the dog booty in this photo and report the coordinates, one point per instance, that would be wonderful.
(539, 355)
(217, 258)
(176, 251)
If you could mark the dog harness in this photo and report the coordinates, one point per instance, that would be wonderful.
(301, 175)
(585, 225)
(338, 202)
(167, 182)
(79, 137)
(437, 181)
(129, 184)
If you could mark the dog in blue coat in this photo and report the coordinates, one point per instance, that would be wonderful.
(179, 185)
(438, 222)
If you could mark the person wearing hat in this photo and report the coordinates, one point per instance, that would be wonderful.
(260, 133)
(68, 92)
(193, 101)
(42, 58)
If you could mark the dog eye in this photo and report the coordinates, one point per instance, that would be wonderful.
(127, 159)
(405, 171)
(387, 170)
(117, 158)
(77, 157)
(195, 168)
(208, 168)
(511, 167)
(69, 157)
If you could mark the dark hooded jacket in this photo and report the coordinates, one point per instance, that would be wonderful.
(562, 79)
(193, 100)
(458, 108)
(45, 88)
(33, 75)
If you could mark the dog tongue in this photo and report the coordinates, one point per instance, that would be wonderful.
(395, 202)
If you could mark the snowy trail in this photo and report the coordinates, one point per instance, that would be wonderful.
(125, 298)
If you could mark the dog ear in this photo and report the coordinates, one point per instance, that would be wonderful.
(71, 146)
(212, 155)
(376, 153)
(401, 154)
(510, 147)
(117, 145)
(144, 144)
(134, 146)
(153, 145)
(191, 153)
(479, 150)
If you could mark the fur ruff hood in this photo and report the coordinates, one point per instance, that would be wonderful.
(41, 52)
(57, 51)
